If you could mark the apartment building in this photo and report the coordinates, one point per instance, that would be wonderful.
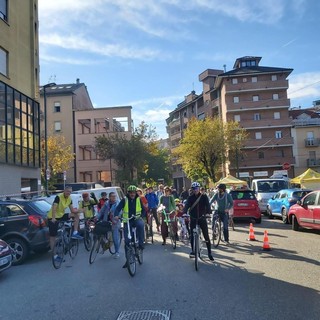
(256, 97)
(90, 124)
(62, 101)
(19, 93)
(306, 133)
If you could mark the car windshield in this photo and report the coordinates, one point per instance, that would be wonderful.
(42, 206)
(243, 195)
(272, 185)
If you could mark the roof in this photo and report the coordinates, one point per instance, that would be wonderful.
(59, 89)
(295, 113)
(254, 70)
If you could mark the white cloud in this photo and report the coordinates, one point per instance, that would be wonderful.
(304, 85)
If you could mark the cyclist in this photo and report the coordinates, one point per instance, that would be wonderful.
(131, 205)
(107, 214)
(87, 204)
(223, 203)
(57, 213)
(199, 206)
(102, 200)
(153, 202)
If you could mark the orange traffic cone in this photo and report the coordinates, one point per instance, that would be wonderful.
(266, 246)
(251, 233)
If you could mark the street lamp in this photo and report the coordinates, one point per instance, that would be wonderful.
(46, 131)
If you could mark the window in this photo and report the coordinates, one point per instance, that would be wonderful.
(280, 153)
(57, 126)
(57, 107)
(236, 99)
(244, 80)
(237, 117)
(254, 79)
(4, 10)
(260, 155)
(278, 134)
(3, 61)
(274, 77)
(275, 96)
(255, 98)
(257, 116)
(234, 81)
(258, 135)
(276, 115)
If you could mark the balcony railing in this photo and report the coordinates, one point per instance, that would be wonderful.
(268, 142)
(306, 122)
(313, 162)
(312, 142)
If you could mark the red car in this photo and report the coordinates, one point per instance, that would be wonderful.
(245, 205)
(306, 213)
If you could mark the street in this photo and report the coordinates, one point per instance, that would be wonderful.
(244, 282)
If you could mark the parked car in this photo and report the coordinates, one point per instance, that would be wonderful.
(5, 256)
(281, 202)
(245, 205)
(23, 225)
(306, 212)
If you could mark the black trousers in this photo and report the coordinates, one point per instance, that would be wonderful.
(204, 228)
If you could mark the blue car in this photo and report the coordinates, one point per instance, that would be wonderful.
(280, 203)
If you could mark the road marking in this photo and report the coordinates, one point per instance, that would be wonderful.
(145, 315)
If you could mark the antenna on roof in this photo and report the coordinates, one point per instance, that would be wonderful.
(225, 68)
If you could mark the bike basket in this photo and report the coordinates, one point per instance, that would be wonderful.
(102, 228)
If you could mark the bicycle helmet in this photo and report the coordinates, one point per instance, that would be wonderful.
(176, 200)
(132, 188)
(222, 186)
(195, 185)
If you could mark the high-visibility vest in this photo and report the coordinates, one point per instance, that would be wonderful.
(125, 211)
(63, 204)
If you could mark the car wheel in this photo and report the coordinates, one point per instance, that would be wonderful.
(20, 250)
(295, 224)
(284, 215)
(269, 213)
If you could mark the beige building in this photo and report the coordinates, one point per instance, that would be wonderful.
(256, 97)
(19, 87)
(90, 124)
(306, 134)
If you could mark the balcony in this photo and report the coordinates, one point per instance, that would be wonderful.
(268, 142)
(313, 162)
(306, 122)
(263, 163)
(312, 142)
(264, 123)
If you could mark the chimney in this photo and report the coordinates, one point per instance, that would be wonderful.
(78, 80)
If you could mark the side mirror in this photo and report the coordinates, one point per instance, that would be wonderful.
(299, 202)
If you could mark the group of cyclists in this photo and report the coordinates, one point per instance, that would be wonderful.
(192, 206)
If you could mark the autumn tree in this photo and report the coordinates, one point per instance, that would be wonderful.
(207, 145)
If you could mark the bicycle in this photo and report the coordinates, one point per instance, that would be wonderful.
(169, 219)
(216, 229)
(64, 243)
(198, 243)
(102, 235)
(132, 251)
(88, 233)
(148, 226)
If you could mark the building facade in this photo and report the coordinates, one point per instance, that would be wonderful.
(19, 93)
(256, 97)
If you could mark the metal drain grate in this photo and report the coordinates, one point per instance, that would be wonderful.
(145, 315)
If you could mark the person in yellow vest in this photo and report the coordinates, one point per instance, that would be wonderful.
(131, 205)
(88, 204)
(57, 213)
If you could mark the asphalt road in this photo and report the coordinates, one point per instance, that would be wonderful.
(244, 282)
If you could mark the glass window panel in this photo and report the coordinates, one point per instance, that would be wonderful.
(31, 157)
(2, 152)
(30, 123)
(3, 62)
(24, 121)
(24, 106)
(30, 138)
(17, 137)
(18, 154)
(10, 153)
(24, 156)
(2, 131)
(10, 133)
(25, 138)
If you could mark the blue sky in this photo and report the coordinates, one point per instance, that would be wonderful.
(149, 53)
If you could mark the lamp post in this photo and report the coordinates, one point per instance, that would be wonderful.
(46, 132)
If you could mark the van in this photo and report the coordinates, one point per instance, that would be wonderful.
(265, 189)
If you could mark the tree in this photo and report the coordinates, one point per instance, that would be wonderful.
(206, 146)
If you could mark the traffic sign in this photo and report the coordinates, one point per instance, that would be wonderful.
(286, 166)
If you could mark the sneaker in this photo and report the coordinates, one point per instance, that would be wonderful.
(58, 259)
(227, 243)
(191, 255)
(116, 256)
(76, 236)
(210, 257)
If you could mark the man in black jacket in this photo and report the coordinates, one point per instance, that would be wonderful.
(199, 206)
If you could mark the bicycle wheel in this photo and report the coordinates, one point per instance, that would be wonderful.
(88, 239)
(58, 253)
(131, 260)
(172, 237)
(95, 249)
(216, 233)
(196, 250)
(73, 248)
(150, 223)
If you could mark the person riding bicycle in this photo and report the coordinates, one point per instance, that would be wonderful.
(57, 213)
(107, 214)
(102, 200)
(223, 202)
(153, 202)
(87, 204)
(131, 205)
(199, 206)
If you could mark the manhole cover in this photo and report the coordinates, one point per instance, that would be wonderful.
(145, 315)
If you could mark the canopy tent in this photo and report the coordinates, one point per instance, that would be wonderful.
(309, 179)
(230, 180)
